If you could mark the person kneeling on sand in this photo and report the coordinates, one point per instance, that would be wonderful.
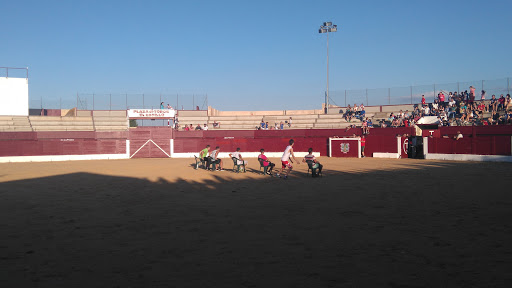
(314, 163)
(215, 160)
(286, 161)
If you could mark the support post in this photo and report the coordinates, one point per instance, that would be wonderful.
(411, 95)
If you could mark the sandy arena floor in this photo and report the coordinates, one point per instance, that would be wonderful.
(160, 223)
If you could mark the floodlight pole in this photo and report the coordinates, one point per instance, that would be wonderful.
(327, 28)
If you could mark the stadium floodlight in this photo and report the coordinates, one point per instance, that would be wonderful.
(326, 28)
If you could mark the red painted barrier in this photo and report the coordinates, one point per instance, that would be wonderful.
(482, 140)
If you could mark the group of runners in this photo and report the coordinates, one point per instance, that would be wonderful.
(286, 160)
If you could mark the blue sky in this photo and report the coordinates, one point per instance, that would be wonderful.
(251, 55)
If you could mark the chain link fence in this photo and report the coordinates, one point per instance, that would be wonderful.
(93, 101)
(412, 94)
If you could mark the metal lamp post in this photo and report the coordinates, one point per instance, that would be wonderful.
(326, 28)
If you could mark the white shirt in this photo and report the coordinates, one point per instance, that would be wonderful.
(286, 154)
(205, 128)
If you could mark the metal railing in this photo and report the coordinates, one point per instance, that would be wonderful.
(84, 101)
(14, 72)
(412, 94)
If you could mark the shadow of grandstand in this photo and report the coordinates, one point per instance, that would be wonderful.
(403, 228)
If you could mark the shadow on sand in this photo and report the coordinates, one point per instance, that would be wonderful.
(442, 225)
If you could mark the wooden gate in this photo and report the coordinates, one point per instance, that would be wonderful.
(150, 142)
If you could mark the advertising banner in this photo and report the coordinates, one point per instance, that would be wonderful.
(151, 113)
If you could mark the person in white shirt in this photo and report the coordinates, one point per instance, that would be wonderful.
(286, 161)
(238, 156)
(205, 127)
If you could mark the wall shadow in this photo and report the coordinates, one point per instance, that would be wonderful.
(438, 225)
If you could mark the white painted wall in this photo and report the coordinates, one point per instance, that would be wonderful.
(13, 96)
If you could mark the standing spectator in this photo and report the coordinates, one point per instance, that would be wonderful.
(281, 125)
(423, 101)
(290, 122)
(162, 105)
(483, 95)
(441, 99)
(472, 91)
(314, 165)
(286, 161)
(363, 145)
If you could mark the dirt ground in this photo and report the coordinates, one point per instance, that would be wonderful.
(160, 223)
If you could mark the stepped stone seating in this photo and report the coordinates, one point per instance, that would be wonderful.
(110, 120)
(14, 124)
(57, 123)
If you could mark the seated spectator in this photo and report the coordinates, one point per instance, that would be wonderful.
(186, 128)
(198, 127)
(238, 156)
(451, 102)
(370, 124)
(215, 158)
(501, 103)
(508, 117)
(281, 125)
(361, 107)
(203, 154)
(169, 106)
(314, 163)
(266, 126)
(205, 127)
(481, 108)
(216, 124)
(362, 114)
(458, 136)
(493, 105)
(508, 103)
(290, 122)
(262, 124)
(266, 162)
(365, 127)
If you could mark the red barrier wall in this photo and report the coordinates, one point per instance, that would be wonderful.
(61, 143)
(478, 140)
(379, 140)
